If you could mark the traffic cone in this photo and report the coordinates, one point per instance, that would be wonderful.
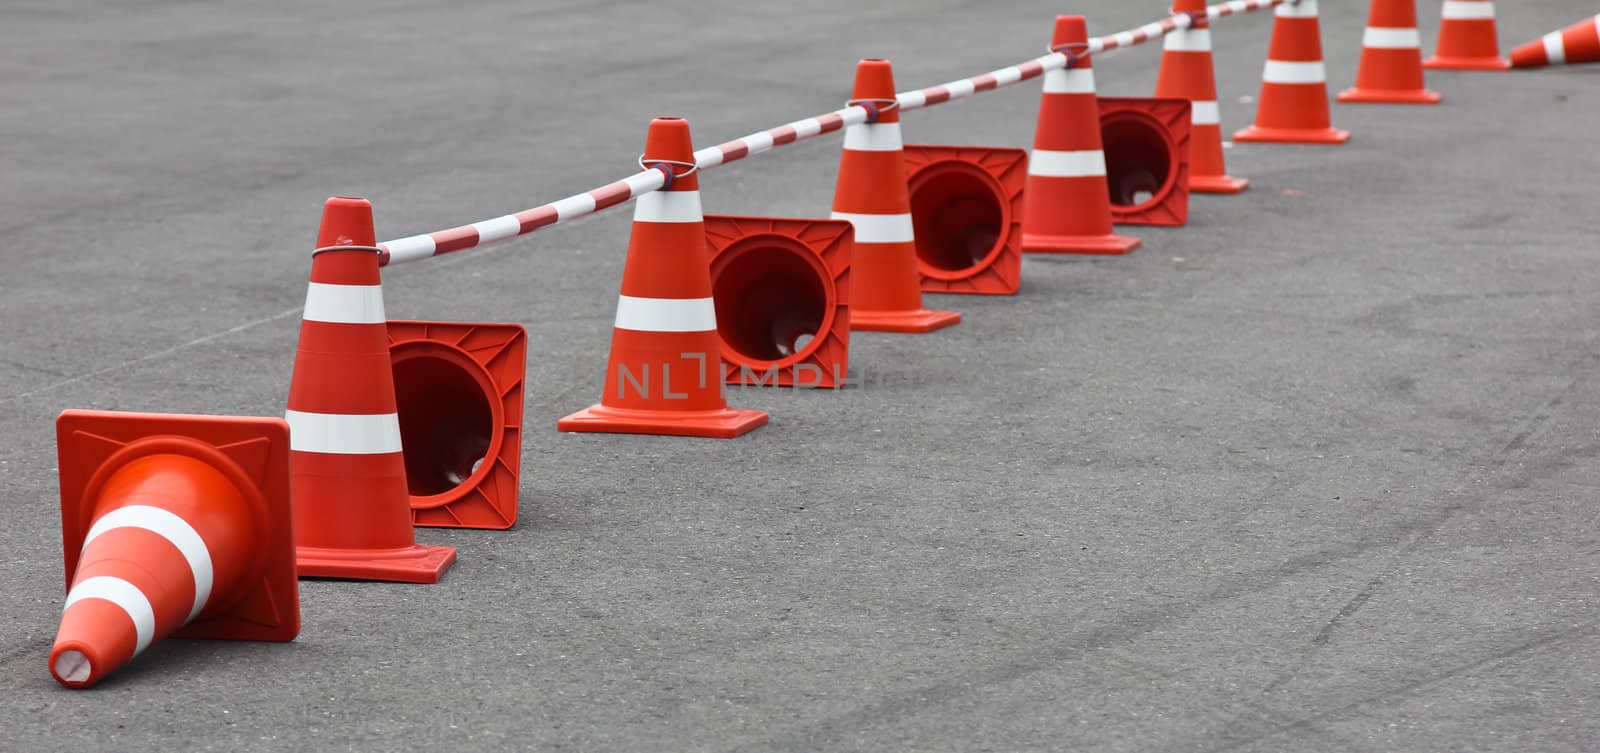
(782, 291)
(1187, 73)
(458, 393)
(352, 513)
(665, 315)
(1147, 159)
(1391, 58)
(885, 292)
(1293, 106)
(1578, 43)
(1467, 38)
(171, 526)
(1067, 209)
(966, 210)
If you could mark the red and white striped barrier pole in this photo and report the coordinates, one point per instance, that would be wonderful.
(484, 232)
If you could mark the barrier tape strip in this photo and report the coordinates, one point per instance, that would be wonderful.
(416, 247)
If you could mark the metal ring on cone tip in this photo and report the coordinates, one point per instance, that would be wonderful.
(875, 107)
(665, 167)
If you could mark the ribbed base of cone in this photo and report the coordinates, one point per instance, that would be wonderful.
(1104, 245)
(726, 423)
(1292, 135)
(915, 321)
(412, 564)
(1467, 64)
(1357, 95)
(1217, 184)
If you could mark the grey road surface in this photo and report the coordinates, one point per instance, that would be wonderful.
(1317, 472)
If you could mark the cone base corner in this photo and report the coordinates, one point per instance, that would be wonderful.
(413, 564)
(726, 423)
(1258, 134)
(1224, 184)
(443, 517)
(915, 321)
(1104, 245)
(1437, 63)
(1357, 95)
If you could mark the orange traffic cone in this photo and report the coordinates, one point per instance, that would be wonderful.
(1578, 43)
(1067, 204)
(171, 525)
(1391, 58)
(1467, 38)
(782, 290)
(662, 376)
(966, 208)
(1293, 106)
(1187, 73)
(352, 513)
(1147, 159)
(885, 295)
(458, 393)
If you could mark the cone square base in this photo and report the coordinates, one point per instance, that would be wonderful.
(1467, 64)
(252, 452)
(465, 368)
(1105, 245)
(916, 321)
(726, 423)
(1224, 184)
(1292, 135)
(1357, 95)
(413, 564)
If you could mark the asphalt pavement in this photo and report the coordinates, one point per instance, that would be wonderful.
(1316, 472)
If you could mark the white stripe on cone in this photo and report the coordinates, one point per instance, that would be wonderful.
(176, 531)
(1205, 113)
(344, 304)
(873, 137)
(343, 434)
(1190, 40)
(1466, 10)
(125, 595)
(1071, 81)
(1391, 39)
(668, 206)
(1555, 48)
(1283, 72)
(1078, 164)
(666, 314)
(879, 228)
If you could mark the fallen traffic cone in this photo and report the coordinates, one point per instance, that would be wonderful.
(1147, 159)
(171, 526)
(352, 513)
(782, 291)
(966, 210)
(458, 393)
(885, 291)
(1293, 106)
(1467, 38)
(1067, 210)
(1391, 58)
(1578, 43)
(1187, 73)
(665, 315)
